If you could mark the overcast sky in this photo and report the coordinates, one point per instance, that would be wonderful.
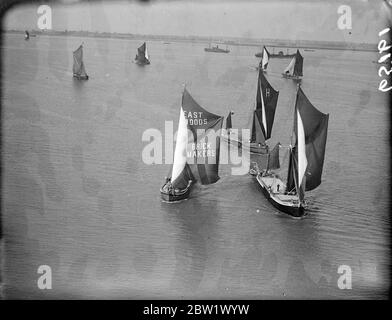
(277, 19)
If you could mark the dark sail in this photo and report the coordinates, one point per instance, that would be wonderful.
(228, 121)
(78, 64)
(315, 126)
(203, 151)
(299, 61)
(273, 158)
(266, 96)
(142, 56)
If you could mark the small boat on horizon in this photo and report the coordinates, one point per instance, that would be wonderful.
(196, 157)
(262, 118)
(142, 58)
(79, 71)
(27, 35)
(216, 49)
(294, 69)
(306, 160)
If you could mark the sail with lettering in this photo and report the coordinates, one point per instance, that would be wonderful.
(142, 57)
(307, 153)
(196, 155)
(78, 68)
(264, 115)
(295, 68)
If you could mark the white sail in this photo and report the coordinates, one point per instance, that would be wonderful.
(264, 119)
(290, 67)
(302, 160)
(181, 146)
(265, 59)
(146, 54)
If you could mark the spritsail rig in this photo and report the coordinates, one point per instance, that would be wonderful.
(307, 153)
(142, 56)
(294, 69)
(78, 68)
(262, 118)
(196, 155)
(264, 60)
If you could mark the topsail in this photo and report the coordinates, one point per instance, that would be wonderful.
(266, 102)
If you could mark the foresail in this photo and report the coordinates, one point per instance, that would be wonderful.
(204, 144)
(180, 149)
(257, 127)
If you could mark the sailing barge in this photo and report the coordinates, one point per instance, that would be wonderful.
(306, 161)
(142, 58)
(79, 71)
(196, 157)
(294, 69)
(262, 118)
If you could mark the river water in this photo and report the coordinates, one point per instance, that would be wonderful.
(78, 197)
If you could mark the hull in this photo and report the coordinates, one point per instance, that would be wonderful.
(284, 203)
(216, 50)
(174, 196)
(79, 77)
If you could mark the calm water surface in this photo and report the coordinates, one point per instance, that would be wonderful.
(78, 197)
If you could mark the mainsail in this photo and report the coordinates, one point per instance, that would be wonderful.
(196, 156)
(78, 65)
(308, 152)
(266, 101)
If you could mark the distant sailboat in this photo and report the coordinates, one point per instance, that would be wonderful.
(79, 71)
(142, 57)
(27, 35)
(196, 157)
(306, 161)
(294, 69)
(262, 119)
